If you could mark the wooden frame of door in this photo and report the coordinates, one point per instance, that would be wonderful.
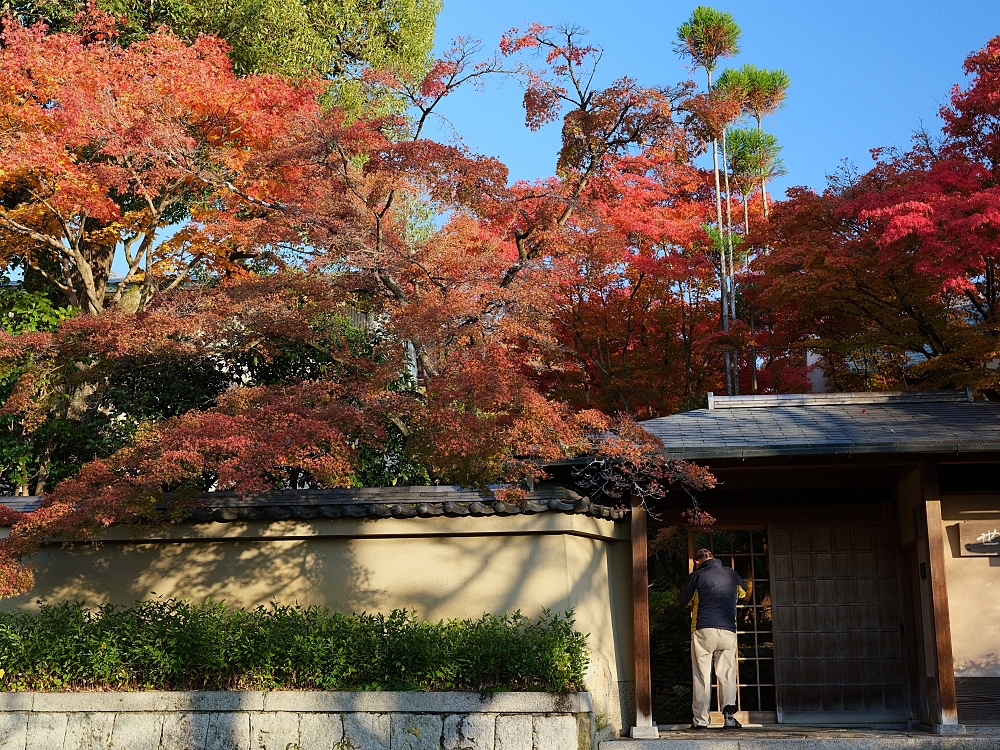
(640, 619)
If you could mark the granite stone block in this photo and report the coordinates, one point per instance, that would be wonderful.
(416, 731)
(320, 731)
(555, 733)
(136, 731)
(514, 732)
(274, 730)
(469, 732)
(228, 731)
(88, 731)
(367, 731)
(46, 730)
(13, 730)
(184, 731)
(17, 701)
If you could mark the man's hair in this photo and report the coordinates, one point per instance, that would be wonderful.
(703, 554)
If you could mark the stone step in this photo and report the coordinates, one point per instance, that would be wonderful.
(768, 738)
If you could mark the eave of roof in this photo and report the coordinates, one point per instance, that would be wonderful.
(831, 424)
(376, 502)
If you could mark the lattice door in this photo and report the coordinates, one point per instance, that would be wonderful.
(837, 634)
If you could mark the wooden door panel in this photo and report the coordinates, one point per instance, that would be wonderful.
(838, 653)
(843, 565)
(823, 565)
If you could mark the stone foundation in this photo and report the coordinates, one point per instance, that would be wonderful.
(296, 721)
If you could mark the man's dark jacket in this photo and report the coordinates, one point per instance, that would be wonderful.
(714, 589)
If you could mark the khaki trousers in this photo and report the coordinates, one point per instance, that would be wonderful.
(708, 644)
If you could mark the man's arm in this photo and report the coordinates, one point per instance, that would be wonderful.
(741, 587)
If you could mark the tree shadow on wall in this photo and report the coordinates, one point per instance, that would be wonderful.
(243, 573)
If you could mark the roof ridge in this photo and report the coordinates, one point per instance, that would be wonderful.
(771, 400)
(377, 502)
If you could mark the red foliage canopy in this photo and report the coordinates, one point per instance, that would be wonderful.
(523, 307)
(105, 146)
(892, 275)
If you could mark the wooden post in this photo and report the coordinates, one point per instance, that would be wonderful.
(939, 597)
(939, 605)
(640, 625)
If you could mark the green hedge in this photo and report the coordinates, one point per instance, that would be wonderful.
(177, 645)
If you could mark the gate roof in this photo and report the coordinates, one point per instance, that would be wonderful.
(831, 424)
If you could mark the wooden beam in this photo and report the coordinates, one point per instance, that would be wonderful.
(939, 598)
(640, 618)
(913, 460)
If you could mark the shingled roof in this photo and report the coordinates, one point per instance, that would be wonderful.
(831, 423)
(377, 502)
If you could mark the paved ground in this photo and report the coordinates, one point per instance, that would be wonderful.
(811, 738)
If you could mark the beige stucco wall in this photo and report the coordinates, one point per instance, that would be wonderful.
(973, 590)
(440, 567)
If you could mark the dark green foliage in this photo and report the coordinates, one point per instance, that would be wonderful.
(393, 465)
(178, 645)
(28, 311)
(669, 627)
(327, 37)
(670, 656)
(142, 391)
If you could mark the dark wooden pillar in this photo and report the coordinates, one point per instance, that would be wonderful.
(939, 605)
(640, 621)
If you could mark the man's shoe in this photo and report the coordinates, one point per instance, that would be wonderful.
(699, 726)
(730, 719)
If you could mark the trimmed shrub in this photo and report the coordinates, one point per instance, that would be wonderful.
(178, 645)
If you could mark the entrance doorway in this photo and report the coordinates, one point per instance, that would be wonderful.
(746, 552)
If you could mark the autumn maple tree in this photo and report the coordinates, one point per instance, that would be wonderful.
(106, 147)
(230, 357)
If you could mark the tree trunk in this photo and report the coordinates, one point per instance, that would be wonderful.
(729, 233)
(732, 264)
(89, 279)
(42, 476)
(723, 275)
(722, 251)
(763, 178)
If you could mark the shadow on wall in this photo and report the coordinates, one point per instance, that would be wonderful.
(454, 576)
(440, 576)
(241, 573)
(988, 667)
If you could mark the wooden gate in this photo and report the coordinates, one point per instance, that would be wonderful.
(837, 627)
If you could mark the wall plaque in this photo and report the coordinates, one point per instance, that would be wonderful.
(979, 538)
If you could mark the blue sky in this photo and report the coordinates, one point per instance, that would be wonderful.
(864, 74)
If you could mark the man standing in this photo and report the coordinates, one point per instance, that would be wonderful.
(711, 592)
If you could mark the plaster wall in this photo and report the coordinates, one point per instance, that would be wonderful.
(439, 567)
(973, 589)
